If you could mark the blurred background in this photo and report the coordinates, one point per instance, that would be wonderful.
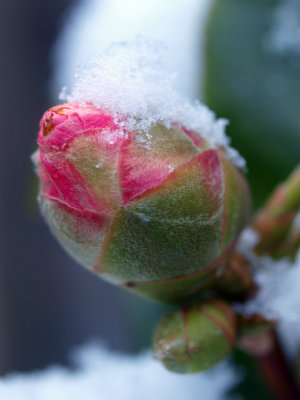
(241, 57)
(48, 305)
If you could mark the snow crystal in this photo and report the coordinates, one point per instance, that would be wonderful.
(283, 37)
(92, 25)
(130, 80)
(101, 374)
(278, 296)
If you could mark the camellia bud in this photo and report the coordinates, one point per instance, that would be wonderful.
(195, 338)
(156, 211)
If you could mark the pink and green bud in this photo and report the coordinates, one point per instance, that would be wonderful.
(195, 338)
(158, 212)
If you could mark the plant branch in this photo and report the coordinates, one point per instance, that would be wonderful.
(276, 372)
(276, 218)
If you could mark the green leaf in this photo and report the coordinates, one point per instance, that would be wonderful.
(256, 90)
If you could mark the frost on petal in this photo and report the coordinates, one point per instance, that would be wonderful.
(147, 158)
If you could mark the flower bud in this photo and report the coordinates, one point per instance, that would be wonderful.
(195, 338)
(154, 211)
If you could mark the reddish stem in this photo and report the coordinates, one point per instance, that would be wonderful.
(276, 373)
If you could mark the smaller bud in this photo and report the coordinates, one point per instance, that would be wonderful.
(195, 338)
(255, 335)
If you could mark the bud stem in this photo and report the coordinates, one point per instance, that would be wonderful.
(236, 281)
(290, 244)
(276, 372)
(275, 220)
(278, 237)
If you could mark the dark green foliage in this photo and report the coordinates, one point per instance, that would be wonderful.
(257, 90)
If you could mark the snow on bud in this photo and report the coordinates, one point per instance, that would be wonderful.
(137, 184)
(195, 338)
(156, 211)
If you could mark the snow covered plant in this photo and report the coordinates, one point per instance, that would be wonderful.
(141, 187)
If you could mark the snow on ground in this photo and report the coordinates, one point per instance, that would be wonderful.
(103, 375)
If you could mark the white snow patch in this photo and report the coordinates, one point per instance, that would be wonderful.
(248, 239)
(92, 25)
(131, 81)
(101, 374)
(278, 297)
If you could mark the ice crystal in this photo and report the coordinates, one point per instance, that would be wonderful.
(131, 81)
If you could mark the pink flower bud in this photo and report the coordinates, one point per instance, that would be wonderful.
(156, 211)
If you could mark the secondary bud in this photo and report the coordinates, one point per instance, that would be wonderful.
(156, 211)
(256, 335)
(195, 338)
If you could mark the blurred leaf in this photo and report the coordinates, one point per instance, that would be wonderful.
(257, 90)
